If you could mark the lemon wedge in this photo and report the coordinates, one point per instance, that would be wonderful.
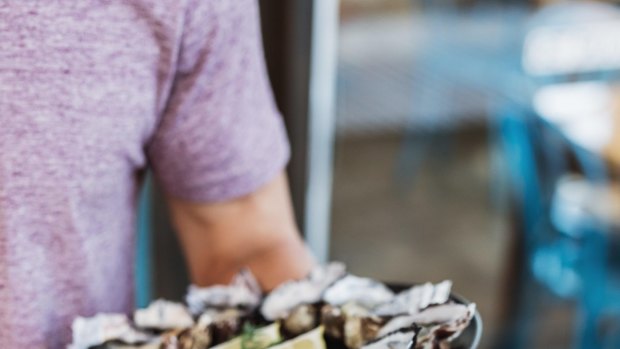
(310, 340)
(262, 339)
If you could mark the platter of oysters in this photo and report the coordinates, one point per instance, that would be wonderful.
(329, 309)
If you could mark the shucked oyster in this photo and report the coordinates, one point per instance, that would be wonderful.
(332, 318)
(174, 339)
(243, 292)
(103, 328)
(439, 324)
(163, 315)
(301, 320)
(351, 325)
(286, 297)
(405, 338)
(439, 335)
(424, 305)
(201, 334)
(366, 292)
(360, 330)
(213, 327)
(415, 299)
(197, 337)
(225, 324)
(440, 314)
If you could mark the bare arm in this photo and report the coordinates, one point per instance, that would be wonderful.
(257, 231)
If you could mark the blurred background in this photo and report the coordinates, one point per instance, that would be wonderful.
(471, 140)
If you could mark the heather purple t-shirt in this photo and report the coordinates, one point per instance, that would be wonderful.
(92, 93)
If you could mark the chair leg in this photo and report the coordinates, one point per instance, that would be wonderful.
(586, 330)
(522, 302)
(594, 271)
(613, 340)
(520, 330)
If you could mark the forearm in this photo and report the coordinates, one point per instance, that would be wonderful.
(257, 231)
(271, 263)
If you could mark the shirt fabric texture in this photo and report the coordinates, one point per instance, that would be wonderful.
(91, 94)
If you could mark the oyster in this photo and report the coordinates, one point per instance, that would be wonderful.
(225, 324)
(366, 292)
(440, 324)
(440, 314)
(243, 292)
(174, 339)
(449, 330)
(332, 318)
(186, 339)
(197, 337)
(351, 324)
(301, 320)
(360, 330)
(415, 299)
(163, 315)
(200, 334)
(213, 327)
(427, 340)
(286, 297)
(103, 328)
(405, 338)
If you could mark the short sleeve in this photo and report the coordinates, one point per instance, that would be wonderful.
(221, 135)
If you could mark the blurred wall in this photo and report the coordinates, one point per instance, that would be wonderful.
(287, 40)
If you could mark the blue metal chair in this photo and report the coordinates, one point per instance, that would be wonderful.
(573, 265)
(530, 183)
(571, 260)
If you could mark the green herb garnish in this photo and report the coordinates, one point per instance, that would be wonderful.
(252, 338)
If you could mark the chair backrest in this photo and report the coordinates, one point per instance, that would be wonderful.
(572, 49)
(518, 144)
(574, 37)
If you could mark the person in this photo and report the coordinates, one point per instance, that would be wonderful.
(92, 93)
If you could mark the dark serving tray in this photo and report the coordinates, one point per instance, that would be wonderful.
(469, 339)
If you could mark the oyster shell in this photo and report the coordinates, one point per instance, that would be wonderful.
(243, 292)
(366, 292)
(440, 324)
(427, 340)
(102, 328)
(163, 315)
(415, 299)
(286, 297)
(402, 339)
(444, 313)
(449, 330)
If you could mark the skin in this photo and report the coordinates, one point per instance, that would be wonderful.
(257, 231)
